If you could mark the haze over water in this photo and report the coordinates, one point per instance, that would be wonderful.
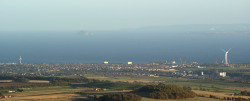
(138, 45)
(93, 31)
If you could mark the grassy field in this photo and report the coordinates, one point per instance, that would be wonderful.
(80, 92)
(218, 94)
(191, 99)
(222, 86)
(30, 81)
(38, 81)
(4, 81)
(145, 98)
(111, 85)
(40, 89)
(47, 94)
(97, 93)
(66, 93)
(137, 79)
(47, 88)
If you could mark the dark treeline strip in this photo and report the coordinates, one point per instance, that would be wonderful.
(245, 93)
(119, 97)
(22, 81)
(51, 79)
(162, 91)
(17, 86)
(110, 85)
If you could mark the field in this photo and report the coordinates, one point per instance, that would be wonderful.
(80, 91)
(30, 81)
(38, 81)
(4, 81)
(191, 99)
(66, 93)
(134, 79)
(47, 94)
(69, 94)
(222, 86)
(218, 94)
(8, 83)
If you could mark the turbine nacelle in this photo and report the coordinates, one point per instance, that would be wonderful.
(225, 50)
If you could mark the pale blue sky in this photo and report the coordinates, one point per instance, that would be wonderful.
(118, 14)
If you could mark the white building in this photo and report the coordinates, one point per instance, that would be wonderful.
(130, 63)
(222, 74)
(173, 62)
(106, 62)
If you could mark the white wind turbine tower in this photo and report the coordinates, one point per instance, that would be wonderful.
(226, 52)
(20, 60)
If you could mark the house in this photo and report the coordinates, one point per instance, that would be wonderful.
(11, 91)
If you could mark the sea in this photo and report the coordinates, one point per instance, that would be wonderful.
(121, 46)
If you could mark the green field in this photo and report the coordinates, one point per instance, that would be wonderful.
(47, 88)
(147, 99)
(190, 99)
(193, 83)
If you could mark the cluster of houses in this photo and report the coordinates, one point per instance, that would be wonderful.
(191, 74)
(5, 96)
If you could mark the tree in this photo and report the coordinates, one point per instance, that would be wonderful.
(1, 94)
(244, 93)
(163, 91)
(120, 97)
(24, 80)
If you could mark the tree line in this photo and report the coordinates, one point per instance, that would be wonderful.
(163, 91)
(119, 97)
(245, 93)
(23, 81)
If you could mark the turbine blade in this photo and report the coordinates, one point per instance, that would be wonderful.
(223, 50)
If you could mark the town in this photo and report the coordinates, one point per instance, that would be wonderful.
(154, 68)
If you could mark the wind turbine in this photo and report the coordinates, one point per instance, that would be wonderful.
(226, 52)
(20, 60)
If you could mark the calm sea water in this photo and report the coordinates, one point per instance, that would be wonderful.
(121, 46)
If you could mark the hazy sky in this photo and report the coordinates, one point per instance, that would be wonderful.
(118, 14)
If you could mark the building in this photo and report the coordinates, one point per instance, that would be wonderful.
(173, 62)
(130, 63)
(222, 74)
(106, 62)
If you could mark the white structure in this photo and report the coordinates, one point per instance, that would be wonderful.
(173, 62)
(106, 62)
(202, 73)
(223, 74)
(226, 52)
(11, 91)
(20, 59)
(130, 63)
(174, 66)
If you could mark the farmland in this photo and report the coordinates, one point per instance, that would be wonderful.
(70, 94)
(47, 94)
(80, 90)
(86, 80)
(233, 87)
